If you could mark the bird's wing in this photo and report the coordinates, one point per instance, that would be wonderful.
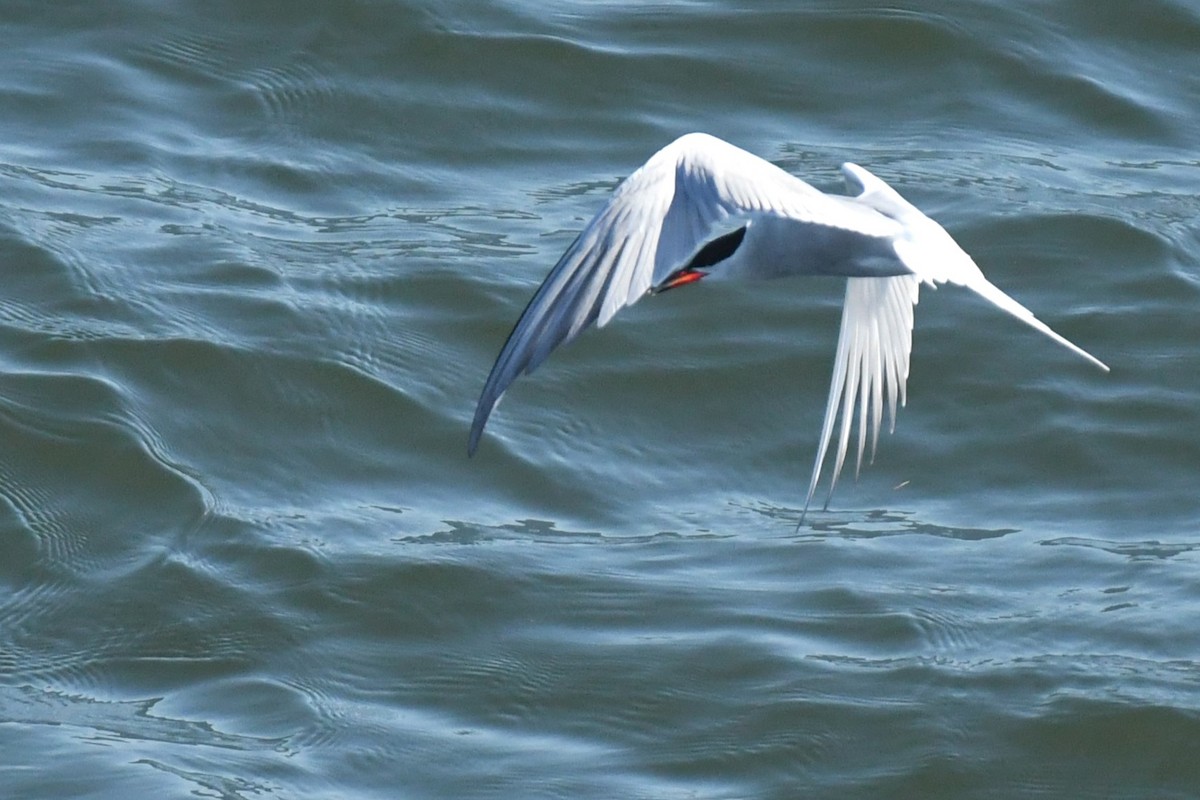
(655, 222)
(871, 362)
(875, 341)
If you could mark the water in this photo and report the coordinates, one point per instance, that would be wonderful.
(258, 258)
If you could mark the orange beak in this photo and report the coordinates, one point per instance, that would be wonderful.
(681, 278)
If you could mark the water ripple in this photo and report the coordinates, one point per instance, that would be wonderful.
(257, 264)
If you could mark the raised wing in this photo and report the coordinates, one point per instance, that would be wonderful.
(691, 191)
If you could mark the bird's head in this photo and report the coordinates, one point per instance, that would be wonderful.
(707, 258)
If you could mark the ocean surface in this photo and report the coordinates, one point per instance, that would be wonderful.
(257, 259)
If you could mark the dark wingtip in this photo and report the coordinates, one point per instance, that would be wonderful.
(473, 437)
(482, 412)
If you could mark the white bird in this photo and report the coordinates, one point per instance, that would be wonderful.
(703, 208)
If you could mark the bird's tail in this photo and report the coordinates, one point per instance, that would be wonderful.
(989, 291)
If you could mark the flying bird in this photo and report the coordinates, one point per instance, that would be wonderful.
(703, 209)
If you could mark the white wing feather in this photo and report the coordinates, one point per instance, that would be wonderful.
(871, 362)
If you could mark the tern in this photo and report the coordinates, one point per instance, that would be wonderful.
(702, 209)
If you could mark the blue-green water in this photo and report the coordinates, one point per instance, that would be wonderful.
(258, 258)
